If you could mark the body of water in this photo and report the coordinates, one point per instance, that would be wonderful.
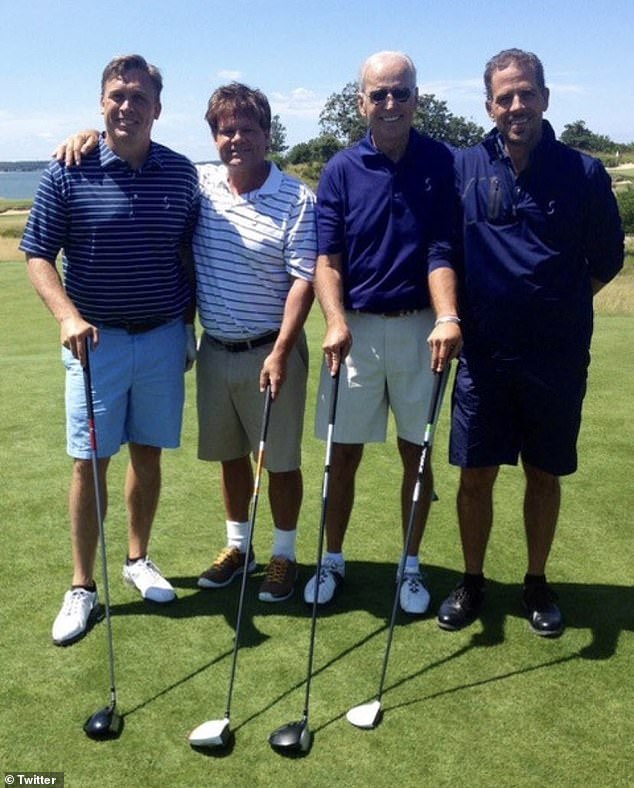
(19, 185)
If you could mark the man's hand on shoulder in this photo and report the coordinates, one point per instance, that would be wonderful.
(75, 146)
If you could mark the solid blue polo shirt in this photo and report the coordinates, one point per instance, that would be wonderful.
(390, 221)
(120, 230)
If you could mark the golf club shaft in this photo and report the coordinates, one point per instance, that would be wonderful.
(254, 506)
(322, 526)
(99, 507)
(432, 416)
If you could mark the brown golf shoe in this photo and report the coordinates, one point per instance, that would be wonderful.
(228, 565)
(279, 583)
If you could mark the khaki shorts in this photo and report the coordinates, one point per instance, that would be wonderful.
(388, 368)
(230, 405)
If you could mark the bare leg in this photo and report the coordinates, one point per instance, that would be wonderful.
(237, 488)
(285, 498)
(541, 509)
(475, 514)
(142, 490)
(345, 460)
(84, 528)
(410, 456)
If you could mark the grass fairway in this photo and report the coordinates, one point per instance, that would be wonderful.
(491, 706)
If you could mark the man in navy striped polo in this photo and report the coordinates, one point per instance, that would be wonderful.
(254, 249)
(120, 220)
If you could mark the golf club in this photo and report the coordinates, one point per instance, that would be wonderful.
(217, 733)
(296, 737)
(368, 715)
(105, 723)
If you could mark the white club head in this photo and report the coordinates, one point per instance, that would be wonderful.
(213, 733)
(366, 715)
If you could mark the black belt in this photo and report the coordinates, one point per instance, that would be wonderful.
(135, 326)
(246, 344)
(394, 313)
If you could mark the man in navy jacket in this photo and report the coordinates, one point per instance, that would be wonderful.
(540, 236)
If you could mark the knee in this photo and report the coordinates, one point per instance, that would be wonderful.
(540, 480)
(477, 481)
(346, 458)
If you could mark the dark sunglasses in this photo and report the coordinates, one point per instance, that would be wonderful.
(398, 94)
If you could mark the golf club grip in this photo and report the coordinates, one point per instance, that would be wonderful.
(334, 395)
(90, 410)
(440, 379)
(263, 435)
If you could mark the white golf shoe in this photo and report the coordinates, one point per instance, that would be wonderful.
(145, 576)
(413, 596)
(79, 609)
(330, 578)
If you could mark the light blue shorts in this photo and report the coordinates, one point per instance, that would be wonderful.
(138, 391)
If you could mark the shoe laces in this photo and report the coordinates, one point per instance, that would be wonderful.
(464, 593)
(327, 570)
(75, 601)
(226, 556)
(148, 566)
(276, 570)
(414, 582)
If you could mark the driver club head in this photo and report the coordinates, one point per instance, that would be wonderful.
(292, 738)
(213, 733)
(104, 724)
(366, 715)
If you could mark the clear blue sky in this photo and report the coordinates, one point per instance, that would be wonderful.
(298, 53)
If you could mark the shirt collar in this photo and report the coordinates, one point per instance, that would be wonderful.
(270, 186)
(108, 158)
(495, 143)
(369, 150)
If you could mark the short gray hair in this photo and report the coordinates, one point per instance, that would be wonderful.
(370, 61)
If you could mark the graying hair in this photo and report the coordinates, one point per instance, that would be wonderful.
(381, 55)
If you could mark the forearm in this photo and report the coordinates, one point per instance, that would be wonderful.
(48, 285)
(445, 340)
(443, 291)
(329, 287)
(298, 303)
(74, 330)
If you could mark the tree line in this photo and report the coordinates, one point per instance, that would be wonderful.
(341, 125)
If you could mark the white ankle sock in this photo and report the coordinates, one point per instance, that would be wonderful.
(284, 543)
(237, 535)
(412, 564)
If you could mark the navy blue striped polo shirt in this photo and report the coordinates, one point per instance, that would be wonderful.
(119, 230)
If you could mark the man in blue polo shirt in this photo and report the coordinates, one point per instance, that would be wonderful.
(120, 220)
(541, 235)
(384, 211)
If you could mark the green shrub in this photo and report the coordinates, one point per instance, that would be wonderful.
(625, 200)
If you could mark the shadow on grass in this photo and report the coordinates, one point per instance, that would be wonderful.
(605, 610)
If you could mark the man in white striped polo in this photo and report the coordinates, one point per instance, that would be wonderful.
(254, 249)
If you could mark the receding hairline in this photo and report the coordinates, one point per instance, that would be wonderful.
(379, 57)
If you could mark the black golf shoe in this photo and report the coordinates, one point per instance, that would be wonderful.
(461, 607)
(544, 615)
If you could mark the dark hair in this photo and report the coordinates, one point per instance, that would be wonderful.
(504, 59)
(118, 66)
(238, 99)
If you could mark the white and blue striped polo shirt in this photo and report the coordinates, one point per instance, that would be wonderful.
(248, 248)
(120, 230)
